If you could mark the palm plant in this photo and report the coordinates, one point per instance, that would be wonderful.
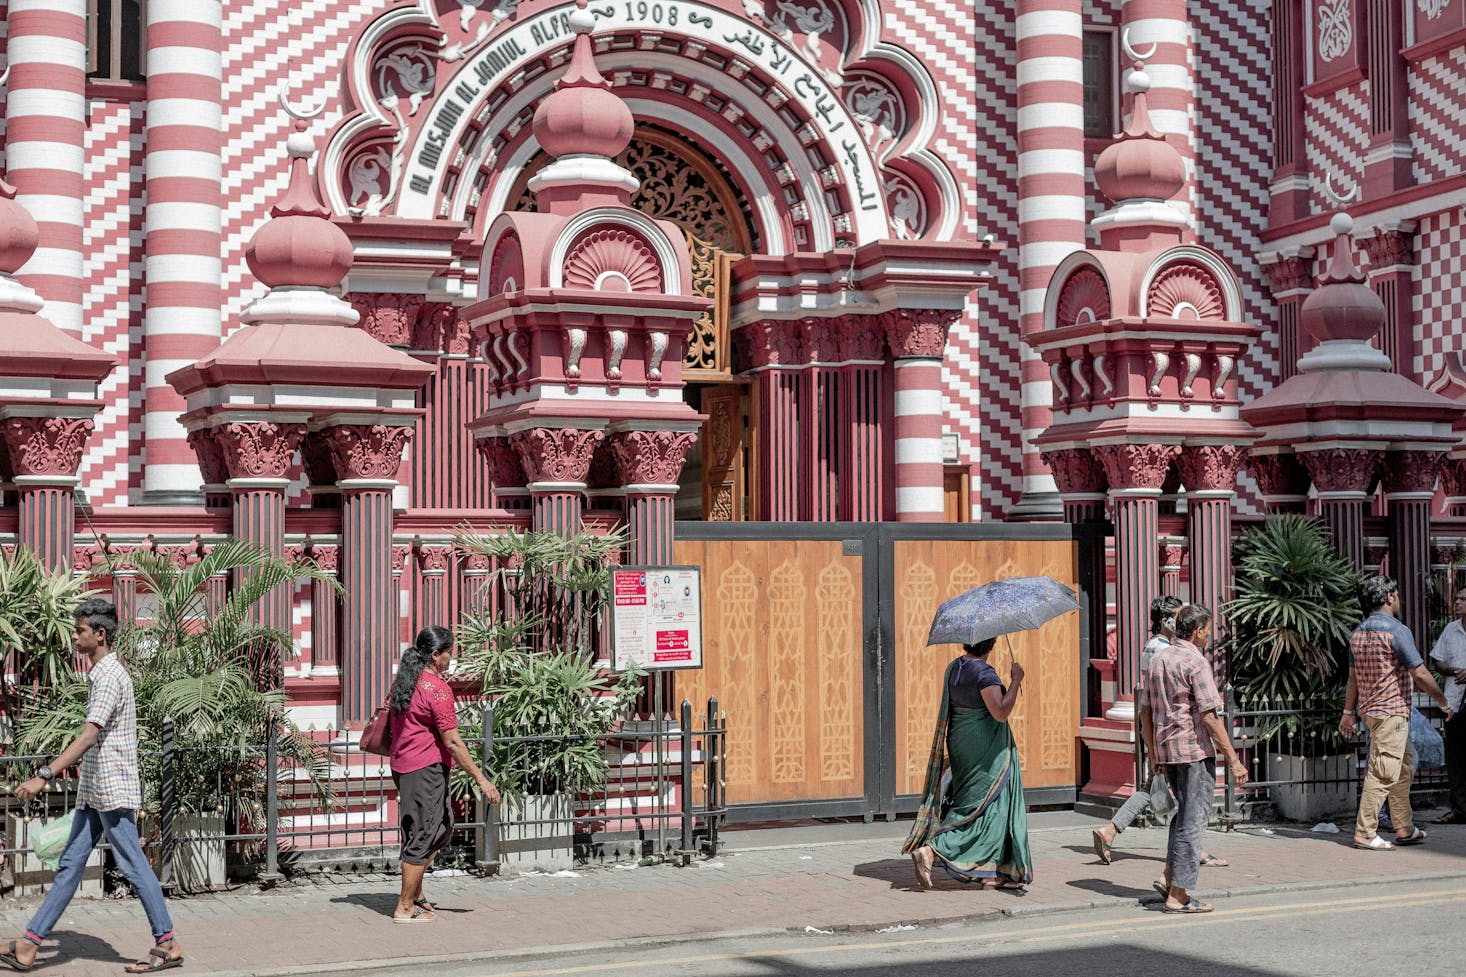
(1296, 604)
(195, 667)
(537, 660)
(35, 625)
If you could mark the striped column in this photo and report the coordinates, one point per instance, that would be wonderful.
(45, 453)
(1341, 477)
(1136, 473)
(1291, 279)
(216, 590)
(1081, 481)
(257, 459)
(1170, 556)
(366, 458)
(1165, 24)
(917, 338)
(648, 463)
(369, 644)
(772, 348)
(1392, 276)
(1051, 206)
(1288, 190)
(556, 461)
(46, 120)
(182, 268)
(325, 612)
(432, 580)
(862, 390)
(1209, 473)
(1410, 478)
(1387, 161)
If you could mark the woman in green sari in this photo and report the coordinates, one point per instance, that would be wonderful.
(979, 831)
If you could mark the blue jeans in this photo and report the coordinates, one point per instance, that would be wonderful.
(87, 829)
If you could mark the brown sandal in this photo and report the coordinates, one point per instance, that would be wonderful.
(161, 961)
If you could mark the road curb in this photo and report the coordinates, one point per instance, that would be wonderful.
(832, 929)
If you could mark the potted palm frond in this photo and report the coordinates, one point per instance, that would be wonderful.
(197, 673)
(1296, 604)
(537, 662)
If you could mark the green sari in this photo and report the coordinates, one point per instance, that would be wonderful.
(983, 834)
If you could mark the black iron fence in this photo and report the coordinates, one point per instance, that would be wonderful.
(257, 813)
(1300, 767)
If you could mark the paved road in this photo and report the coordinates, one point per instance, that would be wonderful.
(1387, 929)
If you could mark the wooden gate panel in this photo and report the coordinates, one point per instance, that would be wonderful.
(782, 651)
(1044, 721)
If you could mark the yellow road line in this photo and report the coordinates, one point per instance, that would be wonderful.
(1049, 933)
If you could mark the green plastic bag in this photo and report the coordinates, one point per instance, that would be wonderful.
(49, 840)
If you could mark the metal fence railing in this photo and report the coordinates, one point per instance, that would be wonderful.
(1300, 767)
(203, 826)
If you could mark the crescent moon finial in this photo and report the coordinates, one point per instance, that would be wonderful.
(300, 114)
(5, 75)
(1130, 52)
(1335, 197)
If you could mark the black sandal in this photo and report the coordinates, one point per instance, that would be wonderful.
(161, 962)
(9, 959)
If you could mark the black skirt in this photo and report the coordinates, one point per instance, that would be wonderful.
(423, 813)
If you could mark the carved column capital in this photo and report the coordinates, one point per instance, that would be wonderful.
(863, 338)
(505, 471)
(820, 340)
(1137, 466)
(918, 333)
(434, 558)
(768, 342)
(650, 457)
(46, 445)
(368, 451)
(1210, 467)
(211, 457)
(388, 317)
(1279, 475)
(1453, 478)
(258, 450)
(1412, 472)
(327, 556)
(1290, 274)
(556, 454)
(1390, 249)
(1077, 471)
(1342, 469)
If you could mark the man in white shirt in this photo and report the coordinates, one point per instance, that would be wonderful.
(1449, 656)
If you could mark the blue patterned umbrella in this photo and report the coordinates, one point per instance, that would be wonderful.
(1000, 607)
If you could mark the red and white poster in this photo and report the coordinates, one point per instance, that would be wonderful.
(656, 617)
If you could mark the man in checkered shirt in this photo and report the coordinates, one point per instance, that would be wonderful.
(1384, 668)
(108, 793)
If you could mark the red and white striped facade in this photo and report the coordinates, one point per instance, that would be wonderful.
(863, 137)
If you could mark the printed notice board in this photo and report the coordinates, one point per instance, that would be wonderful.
(656, 617)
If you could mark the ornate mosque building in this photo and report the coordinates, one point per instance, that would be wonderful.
(340, 275)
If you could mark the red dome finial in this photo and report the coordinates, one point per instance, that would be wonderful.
(582, 116)
(1343, 306)
(19, 234)
(299, 246)
(1139, 164)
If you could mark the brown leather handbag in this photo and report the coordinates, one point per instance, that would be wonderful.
(377, 736)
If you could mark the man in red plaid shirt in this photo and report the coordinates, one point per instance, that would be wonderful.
(1384, 668)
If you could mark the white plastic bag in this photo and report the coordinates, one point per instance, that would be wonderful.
(1162, 801)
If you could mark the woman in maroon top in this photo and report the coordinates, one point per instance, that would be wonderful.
(425, 743)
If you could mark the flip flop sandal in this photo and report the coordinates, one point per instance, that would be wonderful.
(1191, 908)
(424, 904)
(1101, 847)
(1375, 844)
(1162, 888)
(9, 959)
(419, 915)
(1213, 861)
(1416, 837)
(1451, 818)
(160, 963)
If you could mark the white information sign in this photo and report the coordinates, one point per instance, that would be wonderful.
(656, 617)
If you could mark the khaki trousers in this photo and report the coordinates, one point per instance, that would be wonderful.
(1388, 775)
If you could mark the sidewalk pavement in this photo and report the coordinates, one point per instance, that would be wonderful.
(829, 876)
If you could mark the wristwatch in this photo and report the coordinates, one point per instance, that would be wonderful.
(44, 772)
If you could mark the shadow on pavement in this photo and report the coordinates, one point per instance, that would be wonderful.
(1119, 854)
(82, 947)
(378, 902)
(1133, 961)
(1105, 888)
